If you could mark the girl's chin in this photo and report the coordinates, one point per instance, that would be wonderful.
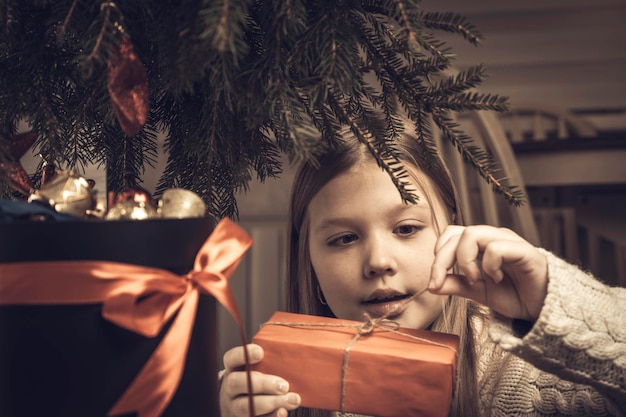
(412, 324)
(410, 317)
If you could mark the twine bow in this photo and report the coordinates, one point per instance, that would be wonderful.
(140, 299)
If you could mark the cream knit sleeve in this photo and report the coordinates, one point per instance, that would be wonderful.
(580, 334)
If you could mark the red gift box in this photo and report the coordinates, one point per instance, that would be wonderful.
(385, 372)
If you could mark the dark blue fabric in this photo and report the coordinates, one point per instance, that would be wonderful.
(11, 210)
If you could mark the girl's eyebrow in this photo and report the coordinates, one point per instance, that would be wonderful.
(331, 222)
(422, 206)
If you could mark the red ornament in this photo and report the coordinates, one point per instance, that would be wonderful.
(13, 170)
(128, 87)
(17, 176)
(137, 195)
(131, 204)
(21, 143)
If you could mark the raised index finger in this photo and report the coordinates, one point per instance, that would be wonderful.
(464, 247)
(448, 233)
(445, 255)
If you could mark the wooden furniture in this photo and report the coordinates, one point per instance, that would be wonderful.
(479, 203)
(554, 147)
(557, 150)
(535, 123)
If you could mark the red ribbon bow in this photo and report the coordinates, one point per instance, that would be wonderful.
(140, 299)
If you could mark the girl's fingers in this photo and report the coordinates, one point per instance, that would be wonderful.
(271, 395)
(236, 383)
(458, 285)
(445, 256)
(497, 254)
(481, 251)
(267, 405)
(447, 234)
(466, 248)
(235, 358)
(493, 266)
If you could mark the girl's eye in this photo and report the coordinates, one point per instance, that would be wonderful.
(407, 229)
(342, 240)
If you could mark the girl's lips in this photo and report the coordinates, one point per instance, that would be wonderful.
(388, 307)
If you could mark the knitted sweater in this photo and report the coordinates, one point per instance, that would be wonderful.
(572, 362)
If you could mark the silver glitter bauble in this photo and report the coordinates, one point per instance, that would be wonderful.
(178, 203)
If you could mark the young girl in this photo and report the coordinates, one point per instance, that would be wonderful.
(539, 337)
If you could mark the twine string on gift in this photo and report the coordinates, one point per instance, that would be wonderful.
(143, 300)
(367, 327)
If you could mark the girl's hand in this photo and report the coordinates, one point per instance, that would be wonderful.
(271, 393)
(497, 268)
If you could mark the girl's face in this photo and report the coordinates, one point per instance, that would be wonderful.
(370, 251)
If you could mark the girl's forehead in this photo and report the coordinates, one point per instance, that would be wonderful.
(416, 181)
(367, 193)
(367, 183)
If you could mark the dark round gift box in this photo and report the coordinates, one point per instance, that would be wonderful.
(66, 360)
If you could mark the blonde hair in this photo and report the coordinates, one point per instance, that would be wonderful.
(457, 314)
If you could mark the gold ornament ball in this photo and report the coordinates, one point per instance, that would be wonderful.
(131, 210)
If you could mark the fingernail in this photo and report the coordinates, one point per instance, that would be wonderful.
(255, 354)
(499, 275)
(282, 386)
(293, 399)
(431, 284)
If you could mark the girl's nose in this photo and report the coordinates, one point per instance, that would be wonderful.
(379, 261)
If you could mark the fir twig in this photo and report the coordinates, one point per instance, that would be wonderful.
(66, 22)
(477, 157)
(386, 157)
(235, 83)
(454, 23)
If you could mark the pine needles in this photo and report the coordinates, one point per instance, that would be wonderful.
(235, 83)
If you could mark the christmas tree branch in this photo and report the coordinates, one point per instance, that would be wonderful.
(384, 154)
(63, 28)
(234, 83)
(477, 157)
(454, 23)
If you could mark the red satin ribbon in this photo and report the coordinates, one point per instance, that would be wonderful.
(140, 299)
